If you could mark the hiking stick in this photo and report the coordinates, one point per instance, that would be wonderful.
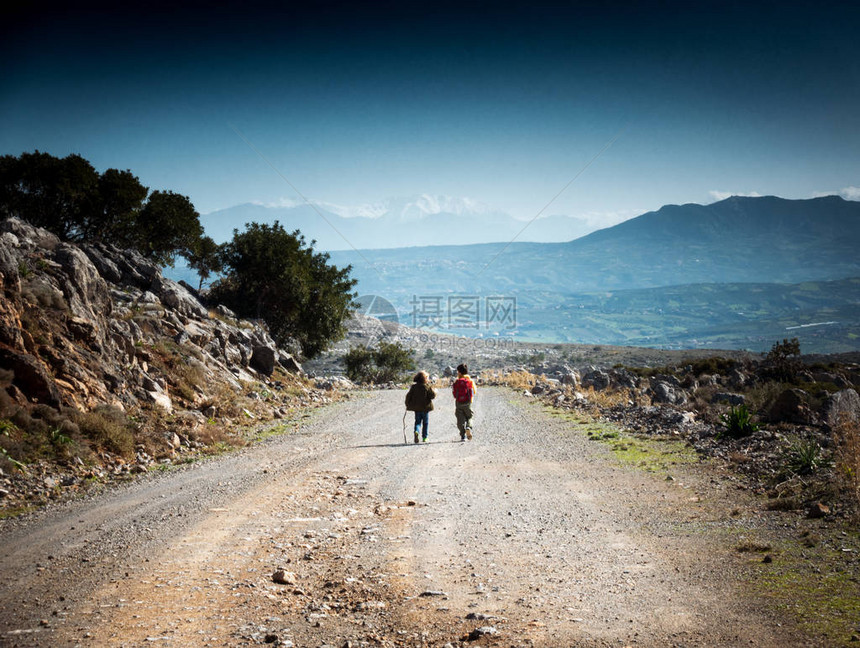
(404, 427)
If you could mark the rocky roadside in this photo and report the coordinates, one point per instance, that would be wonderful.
(109, 369)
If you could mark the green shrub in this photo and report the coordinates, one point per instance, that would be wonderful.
(108, 428)
(386, 363)
(738, 422)
(803, 457)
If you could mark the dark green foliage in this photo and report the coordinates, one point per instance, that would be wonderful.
(54, 193)
(71, 199)
(738, 422)
(358, 364)
(391, 361)
(270, 274)
(115, 218)
(168, 226)
(386, 363)
(714, 365)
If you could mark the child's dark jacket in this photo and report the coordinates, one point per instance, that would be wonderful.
(419, 398)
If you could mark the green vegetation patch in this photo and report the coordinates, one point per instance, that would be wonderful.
(810, 579)
(648, 453)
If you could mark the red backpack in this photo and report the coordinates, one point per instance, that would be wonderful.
(464, 390)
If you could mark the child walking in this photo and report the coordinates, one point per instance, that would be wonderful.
(464, 393)
(419, 399)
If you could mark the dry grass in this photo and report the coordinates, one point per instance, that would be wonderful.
(846, 436)
(514, 379)
(607, 397)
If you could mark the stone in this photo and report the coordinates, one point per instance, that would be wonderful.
(263, 359)
(161, 399)
(283, 577)
(31, 377)
(791, 407)
(729, 397)
(483, 631)
(818, 510)
(842, 407)
(665, 392)
(596, 379)
(289, 363)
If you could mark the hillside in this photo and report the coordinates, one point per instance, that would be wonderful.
(107, 367)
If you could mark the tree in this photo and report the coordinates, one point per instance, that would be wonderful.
(68, 197)
(168, 225)
(205, 258)
(115, 216)
(50, 192)
(272, 275)
(783, 360)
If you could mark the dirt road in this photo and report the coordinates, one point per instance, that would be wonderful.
(528, 535)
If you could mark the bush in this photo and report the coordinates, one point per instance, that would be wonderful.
(109, 429)
(783, 361)
(738, 422)
(386, 363)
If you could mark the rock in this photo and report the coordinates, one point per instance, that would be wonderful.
(283, 577)
(31, 377)
(538, 389)
(571, 379)
(665, 392)
(289, 363)
(263, 359)
(843, 406)
(818, 510)
(161, 399)
(729, 397)
(483, 631)
(596, 379)
(790, 407)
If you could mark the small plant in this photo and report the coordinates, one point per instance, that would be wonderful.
(738, 422)
(803, 457)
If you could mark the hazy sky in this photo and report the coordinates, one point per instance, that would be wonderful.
(503, 103)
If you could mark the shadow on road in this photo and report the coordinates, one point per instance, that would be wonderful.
(400, 444)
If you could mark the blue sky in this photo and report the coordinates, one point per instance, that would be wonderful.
(503, 103)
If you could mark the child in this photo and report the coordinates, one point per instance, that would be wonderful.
(419, 399)
(464, 393)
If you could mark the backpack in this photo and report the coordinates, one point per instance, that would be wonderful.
(463, 390)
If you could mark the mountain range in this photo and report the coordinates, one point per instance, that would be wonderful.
(396, 222)
(736, 273)
(758, 247)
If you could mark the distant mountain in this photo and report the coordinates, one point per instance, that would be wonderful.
(740, 239)
(397, 222)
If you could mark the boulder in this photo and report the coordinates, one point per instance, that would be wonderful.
(31, 377)
(263, 359)
(289, 363)
(791, 406)
(664, 392)
(596, 379)
(842, 407)
(729, 397)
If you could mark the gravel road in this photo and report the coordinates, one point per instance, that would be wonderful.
(529, 535)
